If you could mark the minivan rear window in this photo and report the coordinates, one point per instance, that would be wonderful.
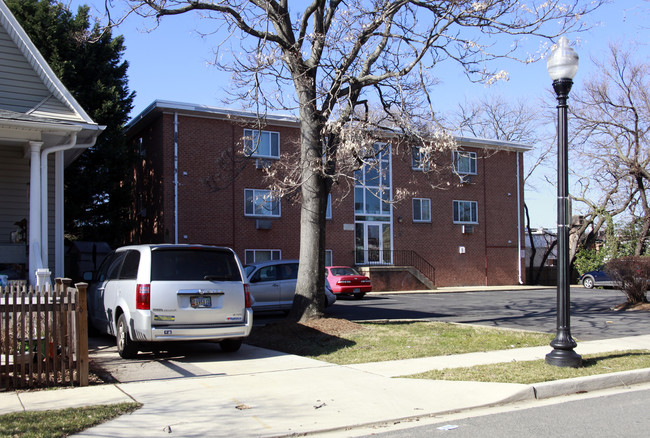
(193, 264)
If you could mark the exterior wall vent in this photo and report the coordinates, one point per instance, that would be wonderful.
(261, 163)
(467, 179)
(262, 224)
(467, 229)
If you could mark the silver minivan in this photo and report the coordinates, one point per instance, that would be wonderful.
(165, 292)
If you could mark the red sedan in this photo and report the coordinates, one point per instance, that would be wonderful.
(343, 280)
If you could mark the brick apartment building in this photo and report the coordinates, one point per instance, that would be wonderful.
(471, 232)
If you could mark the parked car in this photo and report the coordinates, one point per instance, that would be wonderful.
(273, 285)
(344, 280)
(155, 293)
(596, 278)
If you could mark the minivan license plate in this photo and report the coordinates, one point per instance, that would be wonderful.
(197, 302)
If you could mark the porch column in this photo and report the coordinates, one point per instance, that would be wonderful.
(34, 209)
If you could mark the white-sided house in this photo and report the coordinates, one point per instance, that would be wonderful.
(42, 129)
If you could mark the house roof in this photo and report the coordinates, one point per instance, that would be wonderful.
(166, 106)
(27, 83)
(34, 103)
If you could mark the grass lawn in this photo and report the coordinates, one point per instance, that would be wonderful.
(537, 371)
(60, 423)
(331, 340)
(344, 342)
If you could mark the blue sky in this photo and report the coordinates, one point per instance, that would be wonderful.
(172, 62)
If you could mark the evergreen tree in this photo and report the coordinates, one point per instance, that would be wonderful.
(88, 60)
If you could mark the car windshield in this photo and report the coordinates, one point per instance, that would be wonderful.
(193, 264)
(343, 271)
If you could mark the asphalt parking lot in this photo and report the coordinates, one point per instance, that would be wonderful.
(592, 316)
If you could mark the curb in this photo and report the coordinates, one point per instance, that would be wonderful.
(537, 391)
(576, 385)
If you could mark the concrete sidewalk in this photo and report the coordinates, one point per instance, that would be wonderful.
(266, 393)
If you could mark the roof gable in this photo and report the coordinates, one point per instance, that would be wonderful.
(27, 83)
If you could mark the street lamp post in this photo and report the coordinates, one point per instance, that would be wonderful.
(562, 66)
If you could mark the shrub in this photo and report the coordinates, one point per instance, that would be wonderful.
(632, 276)
(588, 260)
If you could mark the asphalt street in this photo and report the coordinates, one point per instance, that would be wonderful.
(621, 414)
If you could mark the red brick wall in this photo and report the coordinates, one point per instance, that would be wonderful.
(148, 199)
(490, 255)
(211, 203)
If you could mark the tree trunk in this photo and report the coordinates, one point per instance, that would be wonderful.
(645, 228)
(542, 265)
(533, 250)
(309, 300)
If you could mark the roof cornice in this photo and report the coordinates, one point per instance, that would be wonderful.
(486, 143)
(170, 107)
(206, 111)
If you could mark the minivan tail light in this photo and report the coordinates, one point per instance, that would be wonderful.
(143, 297)
(247, 295)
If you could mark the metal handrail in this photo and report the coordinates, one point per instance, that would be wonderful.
(403, 257)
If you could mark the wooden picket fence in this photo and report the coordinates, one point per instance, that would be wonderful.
(44, 336)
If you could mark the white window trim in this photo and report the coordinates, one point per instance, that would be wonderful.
(255, 251)
(261, 215)
(328, 209)
(418, 166)
(465, 154)
(249, 133)
(454, 203)
(380, 191)
(421, 210)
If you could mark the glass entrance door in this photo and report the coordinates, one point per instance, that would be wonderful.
(373, 243)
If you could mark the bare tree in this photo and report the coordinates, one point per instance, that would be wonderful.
(495, 117)
(340, 58)
(612, 126)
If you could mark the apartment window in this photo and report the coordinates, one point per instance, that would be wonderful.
(418, 159)
(328, 258)
(421, 210)
(140, 145)
(372, 192)
(328, 212)
(261, 255)
(465, 212)
(261, 203)
(465, 162)
(264, 144)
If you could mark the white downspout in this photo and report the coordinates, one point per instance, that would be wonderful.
(176, 178)
(519, 223)
(59, 228)
(59, 243)
(44, 196)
